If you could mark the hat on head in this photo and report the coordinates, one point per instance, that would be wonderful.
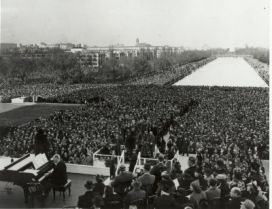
(248, 204)
(147, 166)
(122, 167)
(161, 158)
(89, 185)
(181, 191)
(136, 184)
(99, 178)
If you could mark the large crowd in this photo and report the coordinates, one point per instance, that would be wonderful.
(261, 68)
(171, 75)
(227, 127)
(208, 183)
(220, 119)
(9, 91)
(11, 88)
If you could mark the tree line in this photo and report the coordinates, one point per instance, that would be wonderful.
(260, 54)
(56, 66)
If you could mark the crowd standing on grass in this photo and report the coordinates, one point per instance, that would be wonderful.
(261, 68)
(222, 120)
(44, 90)
(9, 90)
(171, 75)
(227, 129)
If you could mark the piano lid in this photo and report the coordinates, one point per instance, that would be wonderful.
(17, 161)
(17, 166)
(4, 161)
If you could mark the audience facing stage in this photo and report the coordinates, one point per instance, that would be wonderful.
(12, 196)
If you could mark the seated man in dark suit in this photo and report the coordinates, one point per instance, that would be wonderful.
(147, 179)
(90, 197)
(122, 181)
(99, 187)
(135, 196)
(165, 200)
(59, 174)
(157, 170)
(58, 177)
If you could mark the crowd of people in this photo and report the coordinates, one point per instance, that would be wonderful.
(261, 68)
(9, 91)
(138, 117)
(206, 184)
(12, 89)
(170, 75)
(227, 128)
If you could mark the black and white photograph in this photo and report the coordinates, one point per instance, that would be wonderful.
(134, 104)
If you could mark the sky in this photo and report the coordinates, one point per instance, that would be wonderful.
(189, 23)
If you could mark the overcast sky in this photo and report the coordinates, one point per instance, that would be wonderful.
(189, 23)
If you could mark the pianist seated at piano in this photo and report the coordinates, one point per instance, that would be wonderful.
(58, 177)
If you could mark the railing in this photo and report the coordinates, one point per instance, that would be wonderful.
(103, 157)
(120, 161)
(138, 162)
(153, 161)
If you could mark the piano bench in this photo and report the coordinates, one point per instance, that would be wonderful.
(63, 189)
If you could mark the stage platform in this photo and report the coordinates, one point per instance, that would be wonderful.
(16, 198)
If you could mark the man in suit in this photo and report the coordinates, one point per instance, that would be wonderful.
(59, 175)
(213, 192)
(235, 198)
(41, 144)
(190, 172)
(147, 178)
(122, 181)
(133, 160)
(57, 178)
(157, 170)
(165, 200)
(90, 197)
(136, 195)
(99, 187)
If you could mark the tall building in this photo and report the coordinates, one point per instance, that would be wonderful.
(94, 56)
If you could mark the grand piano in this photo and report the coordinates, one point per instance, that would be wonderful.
(29, 168)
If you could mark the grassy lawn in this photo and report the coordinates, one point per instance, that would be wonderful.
(25, 114)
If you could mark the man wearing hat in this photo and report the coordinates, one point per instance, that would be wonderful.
(122, 181)
(99, 187)
(147, 178)
(87, 200)
(135, 195)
